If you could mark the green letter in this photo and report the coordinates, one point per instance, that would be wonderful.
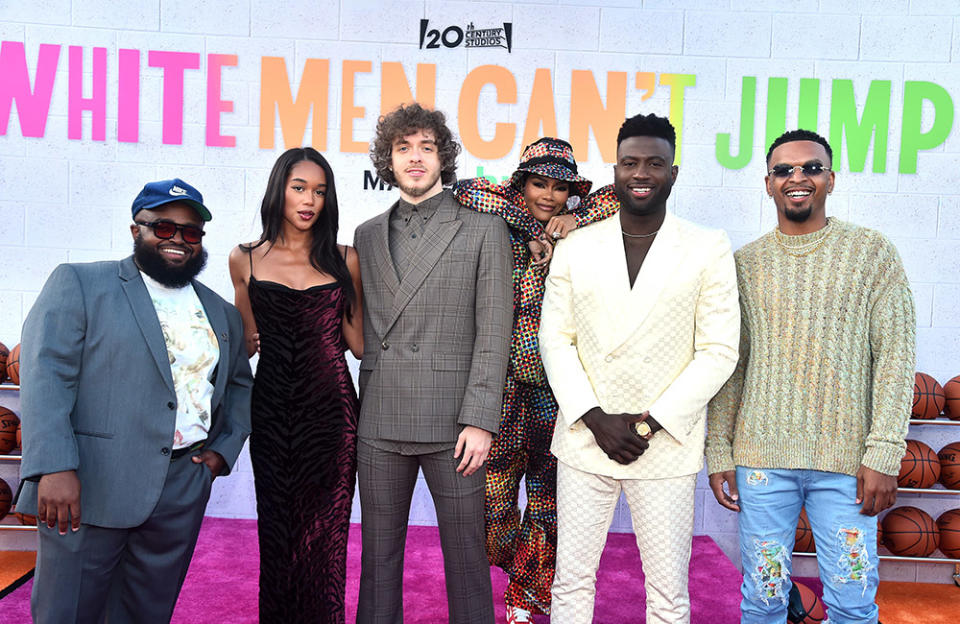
(677, 84)
(809, 104)
(875, 121)
(492, 179)
(776, 108)
(748, 106)
(912, 137)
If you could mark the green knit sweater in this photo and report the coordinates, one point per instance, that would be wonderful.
(827, 355)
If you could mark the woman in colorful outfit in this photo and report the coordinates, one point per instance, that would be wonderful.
(534, 205)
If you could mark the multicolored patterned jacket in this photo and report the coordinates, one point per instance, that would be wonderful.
(506, 200)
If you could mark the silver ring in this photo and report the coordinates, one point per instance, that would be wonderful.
(555, 235)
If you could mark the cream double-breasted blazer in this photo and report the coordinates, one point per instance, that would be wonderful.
(666, 345)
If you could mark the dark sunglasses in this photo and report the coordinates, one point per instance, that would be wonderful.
(810, 170)
(168, 229)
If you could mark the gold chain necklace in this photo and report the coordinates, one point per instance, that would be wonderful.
(806, 248)
(628, 235)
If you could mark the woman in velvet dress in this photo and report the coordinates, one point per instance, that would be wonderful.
(299, 295)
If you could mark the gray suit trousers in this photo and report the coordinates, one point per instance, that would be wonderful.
(386, 482)
(136, 572)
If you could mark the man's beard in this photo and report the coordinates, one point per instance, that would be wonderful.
(798, 216)
(152, 263)
(419, 191)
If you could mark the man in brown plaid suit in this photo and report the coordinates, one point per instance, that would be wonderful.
(436, 323)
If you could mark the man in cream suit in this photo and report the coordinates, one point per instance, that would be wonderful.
(640, 329)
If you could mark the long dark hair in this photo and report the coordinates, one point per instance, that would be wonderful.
(324, 254)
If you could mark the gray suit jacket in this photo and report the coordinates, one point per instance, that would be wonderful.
(436, 339)
(97, 394)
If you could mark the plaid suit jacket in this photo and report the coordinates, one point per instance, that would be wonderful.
(437, 338)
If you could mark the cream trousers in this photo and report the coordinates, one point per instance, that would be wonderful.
(662, 514)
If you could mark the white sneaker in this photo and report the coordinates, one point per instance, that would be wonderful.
(516, 615)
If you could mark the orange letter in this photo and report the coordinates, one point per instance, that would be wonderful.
(395, 90)
(505, 133)
(587, 111)
(677, 84)
(349, 112)
(275, 95)
(542, 111)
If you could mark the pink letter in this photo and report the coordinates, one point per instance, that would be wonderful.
(96, 104)
(128, 101)
(216, 106)
(173, 64)
(33, 106)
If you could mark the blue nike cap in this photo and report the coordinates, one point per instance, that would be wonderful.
(156, 194)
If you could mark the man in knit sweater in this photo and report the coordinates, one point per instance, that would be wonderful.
(816, 411)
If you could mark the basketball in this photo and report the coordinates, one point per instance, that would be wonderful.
(949, 526)
(804, 606)
(950, 466)
(26, 519)
(920, 467)
(910, 532)
(4, 352)
(879, 534)
(804, 536)
(928, 398)
(13, 365)
(19, 436)
(8, 430)
(5, 497)
(951, 391)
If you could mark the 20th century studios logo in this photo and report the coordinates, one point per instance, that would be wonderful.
(454, 36)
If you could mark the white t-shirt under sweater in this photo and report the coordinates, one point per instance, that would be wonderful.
(193, 351)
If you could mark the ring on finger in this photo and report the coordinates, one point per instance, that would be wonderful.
(555, 235)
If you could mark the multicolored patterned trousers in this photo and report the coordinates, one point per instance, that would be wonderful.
(525, 549)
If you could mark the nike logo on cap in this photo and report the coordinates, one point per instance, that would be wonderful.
(177, 191)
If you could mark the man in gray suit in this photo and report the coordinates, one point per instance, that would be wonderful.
(436, 323)
(135, 396)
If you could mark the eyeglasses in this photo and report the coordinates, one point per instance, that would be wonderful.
(168, 229)
(810, 170)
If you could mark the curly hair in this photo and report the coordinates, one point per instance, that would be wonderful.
(648, 125)
(799, 135)
(407, 120)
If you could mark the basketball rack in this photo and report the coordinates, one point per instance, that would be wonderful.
(14, 458)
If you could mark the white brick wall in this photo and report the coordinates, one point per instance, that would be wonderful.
(561, 28)
(812, 36)
(64, 200)
(305, 20)
(637, 30)
(727, 34)
(900, 38)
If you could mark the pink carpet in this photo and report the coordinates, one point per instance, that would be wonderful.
(222, 583)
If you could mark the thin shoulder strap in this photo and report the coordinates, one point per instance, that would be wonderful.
(250, 254)
(345, 251)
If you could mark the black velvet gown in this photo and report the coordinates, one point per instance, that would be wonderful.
(304, 451)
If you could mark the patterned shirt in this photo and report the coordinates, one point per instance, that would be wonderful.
(193, 351)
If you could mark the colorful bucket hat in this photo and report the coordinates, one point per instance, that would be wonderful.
(551, 158)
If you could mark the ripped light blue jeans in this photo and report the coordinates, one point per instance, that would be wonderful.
(846, 541)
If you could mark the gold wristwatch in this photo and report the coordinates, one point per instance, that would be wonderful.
(643, 429)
